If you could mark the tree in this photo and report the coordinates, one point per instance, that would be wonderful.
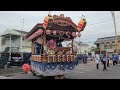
(92, 48)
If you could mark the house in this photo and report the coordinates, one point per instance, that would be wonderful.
(107, 45)
(81, 48)
(15, 41)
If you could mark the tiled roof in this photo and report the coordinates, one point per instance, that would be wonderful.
(106, 39)
(23, 32)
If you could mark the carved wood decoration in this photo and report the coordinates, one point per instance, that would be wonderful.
(59, 28)
(53, 58)
(63, 23)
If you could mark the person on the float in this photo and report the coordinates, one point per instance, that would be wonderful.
(59, 44)
(40, 48)
(51, 44)
(35, 48)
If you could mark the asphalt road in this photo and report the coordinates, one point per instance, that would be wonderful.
(82, 71)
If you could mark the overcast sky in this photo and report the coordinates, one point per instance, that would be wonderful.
(99, 23)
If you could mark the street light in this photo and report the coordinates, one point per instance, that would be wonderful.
(113, 16)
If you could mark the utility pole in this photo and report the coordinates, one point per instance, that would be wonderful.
(21, 38)
(23, 24)
(114, 20)
(100, 47)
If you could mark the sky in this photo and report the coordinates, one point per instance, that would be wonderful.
(99, 23)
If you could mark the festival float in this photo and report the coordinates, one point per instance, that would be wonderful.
(52, 59)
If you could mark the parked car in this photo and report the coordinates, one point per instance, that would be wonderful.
(4, 59)
(14, 59)
(27, 57)
(79, 58)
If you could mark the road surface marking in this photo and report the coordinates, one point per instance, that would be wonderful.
(3, 77)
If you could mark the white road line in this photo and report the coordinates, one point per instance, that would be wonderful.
(3, 77)
(78, 72)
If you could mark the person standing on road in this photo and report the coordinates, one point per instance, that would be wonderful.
(108, 59)
(85, 59)
(97, 59)
(114, 59)
(119, 59)
(104, 62)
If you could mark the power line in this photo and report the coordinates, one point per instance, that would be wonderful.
(104, 21)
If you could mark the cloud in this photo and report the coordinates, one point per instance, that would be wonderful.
(99, 23)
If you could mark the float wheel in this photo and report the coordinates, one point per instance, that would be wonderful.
(59, 77)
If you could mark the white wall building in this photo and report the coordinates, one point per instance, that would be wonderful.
(15, 41)
(0, 43)
(80, 47)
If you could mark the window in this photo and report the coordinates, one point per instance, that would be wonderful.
(119, 44)
(23, 38)
(113, 41)
(113, 46)
(107, 45)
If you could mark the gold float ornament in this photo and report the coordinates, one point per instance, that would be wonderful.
(50, 58)
(68, 53)
(54, 58)
(60, 53)
(72, 57)
(68, 58)
(59, 58)
(51, 51)
(43, 58)
(32, 57)
(63, 58)
(39, 58)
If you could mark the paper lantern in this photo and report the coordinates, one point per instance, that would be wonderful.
(40, 31)
(45, 22)
(79, 34)
(26, 68)
(54, 32)
(47, 31)
(73, 34)
(67, 33)
(61, 33)
(81, 23)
